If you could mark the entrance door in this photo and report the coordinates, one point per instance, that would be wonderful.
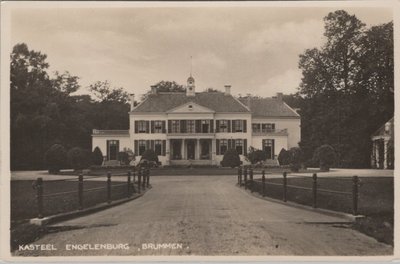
(205, 149)
(176, 149)
(112, 149)
(190, 149)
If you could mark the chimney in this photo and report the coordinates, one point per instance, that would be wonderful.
(279, 96)
(227, 89)
(132, 100)
(153, 89)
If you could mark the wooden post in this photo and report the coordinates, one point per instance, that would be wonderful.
(284, 186)
(263, 183)
(39, 196)
(148, 177)
(239, 175)
(251, 179)
(144, 178)
(129, 184)
(355, 195)
(80, 191)
(245, 178)
(134, 176)
(108, 187)
(139, 178)
(314, 190)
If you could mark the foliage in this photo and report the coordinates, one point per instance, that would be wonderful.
(231, 159)
(256, 155)
(284, 157)
(97, 156)
(104, 93)
(295, 158)
(346, 89)
(149, 155)
(212, 90)
(123, 158)
(55, 158)
(79, 158)
(166, 86)
(325, 156)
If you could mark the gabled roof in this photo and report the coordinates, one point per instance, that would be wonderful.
(382, 130)
(269, 107)
(162, 102)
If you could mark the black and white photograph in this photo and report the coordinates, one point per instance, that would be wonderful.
(198, 129)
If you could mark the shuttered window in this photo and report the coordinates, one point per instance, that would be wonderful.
(158, 147)
(223, 146)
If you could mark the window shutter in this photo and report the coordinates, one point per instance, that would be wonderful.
(147, 126)
(233, 126)
(147, 144)
(217, 143)
(152, 126)
(169, 126)
(152, 145)
(245, 126)
(233, 144)
(211, 126)
(136, 127)
(164, 146)
(108, 149)
(273, 126)
(217, 128)
(229, 126)
(229, 143)
(263, 145)
(117, 147)
(245, 147)
(198, 126)
(137, 147)
(183, 126)
(163, 126)
(273, 148)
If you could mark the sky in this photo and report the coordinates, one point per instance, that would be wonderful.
(254, 49)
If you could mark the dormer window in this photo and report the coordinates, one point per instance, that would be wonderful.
(190, 107)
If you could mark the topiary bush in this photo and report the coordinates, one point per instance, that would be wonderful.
(79, 158)
(150, 155)
(97, 156)
(295, 158)
(325, 156)
(256, 155)
(284, 157)
(231, 159)
(55, 158)
(123, 158)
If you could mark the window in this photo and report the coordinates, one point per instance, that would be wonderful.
(268, 147)
(142, 146)
(223, 126)
(113, 146)
(223, 146)
(158, 127)
(238, 125)
(175, 126)
(190, 107)
(268, 128)
(142, 126)
(256, 128)
(190, 126)
(205, 126)
(239, 146)
(158, 147)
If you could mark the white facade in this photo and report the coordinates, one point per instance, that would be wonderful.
(196, 134)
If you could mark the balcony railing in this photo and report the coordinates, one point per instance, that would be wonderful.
(280, 132)
(110, 132)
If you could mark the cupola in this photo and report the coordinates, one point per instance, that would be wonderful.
(190, 89)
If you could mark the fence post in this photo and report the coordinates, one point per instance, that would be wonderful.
(129, 184)
(263, 183)
(139, 175)
(144, 178)
(134, 176)
(284, 186)
(148, 177)
(39, 196)
(251, 179)
(245, 177)
(108, 187)
(355, 195)
(240, 176)
(80, 191)
(314, 190)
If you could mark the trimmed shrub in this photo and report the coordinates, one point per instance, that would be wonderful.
(55, 158)
(284, 157)
(256, 155)
(79, 158)
(97, 156)
(325, 156)
(295, 156)
(123, 158)
(150, 155)
(231, 159)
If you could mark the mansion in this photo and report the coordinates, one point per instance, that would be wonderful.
(198, 127)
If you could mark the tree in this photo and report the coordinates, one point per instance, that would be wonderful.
(325, 156)
(256, 155)
(104, 93)
(97, 156)
(55, 158)
(149, 155)
(79, 158)
(231, 159)
(295, 158)
(347, 88)
(284, 157)
(166, 86)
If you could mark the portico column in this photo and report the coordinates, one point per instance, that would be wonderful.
(167, 151)
(373, 163)
(214, 151)
(385, 150)
(183, 149)
(377, 154)
(197, 156)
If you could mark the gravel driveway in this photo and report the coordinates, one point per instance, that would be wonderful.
(207, 215)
